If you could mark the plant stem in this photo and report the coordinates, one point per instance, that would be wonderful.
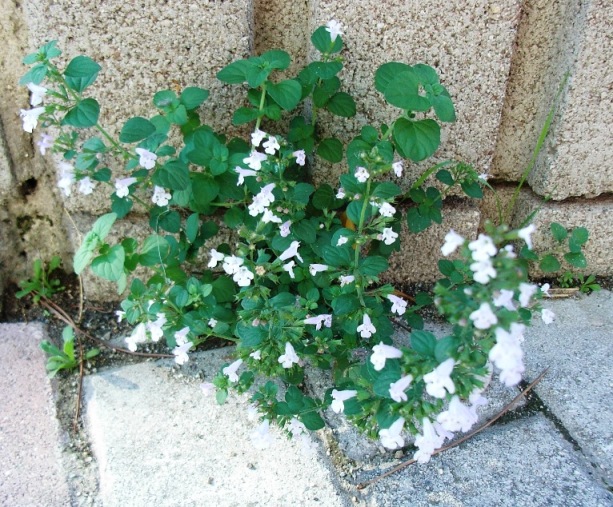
(261, 107)
(358, 247)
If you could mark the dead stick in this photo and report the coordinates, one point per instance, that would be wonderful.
(75, 422)
(508, 407)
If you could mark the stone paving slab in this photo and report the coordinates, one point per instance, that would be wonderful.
(30, 473)
(578, 388)
(160, 441)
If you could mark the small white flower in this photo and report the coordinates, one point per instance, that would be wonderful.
(255, 159)
(289, 267)
(271, 146)
(341, 241)
(505, 299)
(399, 305)
(243, 277)
(208, 388)
(291, 251)
(339, 397)
(44, 143)
(212, 322)
(483, 248)
(257, 355)
(548, 316)
(383, 352)
(38, 93)
(366, 329)
(391, 437)
(243, 173)
(231, 263)
(398, 388)
(155, 327)
(296, 428)
(388, 236)
(261, 437)
(300, 157)
(146, 158)
(483, 271)
(458, 417)
(216, 258)
(269, 216)
(230, 370)
(30, 118)
(361, 174)
(290, 357)
(428, 442)
(526, 291)
(334, 28)
(341, 193)
(397, 167)
(439, 379)
(545, 289)
(452, 241)
(160, 196)
(122, 186)
(180, 352)
(526, 234)
(346, 279)
(284, 230)
(387, 210)
(139, 335)
(320, 320)
(120, 315)
(181, 336)
(66, 178)
(257, 136)
(507, 354)
(484, 317)
(317, 268)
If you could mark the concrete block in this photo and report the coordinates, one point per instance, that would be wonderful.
(469, 44)
(577, 387)
(30, 473)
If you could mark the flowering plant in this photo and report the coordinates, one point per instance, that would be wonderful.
(299, 283)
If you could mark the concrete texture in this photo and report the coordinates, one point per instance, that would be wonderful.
(160, 441)
(30, 473)
(579, 384)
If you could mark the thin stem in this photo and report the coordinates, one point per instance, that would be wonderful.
(261, 107)
(358, 248)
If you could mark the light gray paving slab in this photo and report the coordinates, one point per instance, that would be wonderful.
(30, 470)
(578, 388)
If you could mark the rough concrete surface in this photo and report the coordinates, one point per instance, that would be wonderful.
(30, 473)
(579, 384)
(160, 441)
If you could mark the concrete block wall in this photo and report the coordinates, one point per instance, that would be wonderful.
(501, 61)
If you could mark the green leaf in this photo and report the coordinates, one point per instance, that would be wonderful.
(387, 72)
(302, 192)
(192, 97)
(549, 264)
(416, 140)
(403, 92)
(35, 75)
(110, 265)
(389, 375)
(323, 42)
(324, 90)
(251, 336)
(192, 226)
(121, 206)
(424, 343)
(445, 348)
(312, 420)
(244, 115)
(236, 72)
(85, 114)
(324, 197)
(305, 231)
(417, 222)
(164, 99)
(168, 221)
(136, 129)
(558, 232)
(345, 304)
(85, 253)
(330, 149)
(224, 289)
(286, 93)
(205, 189)
(579, 235)
(373, 265)
(337, 256)
(178, 115)
(341, 104)
(444, 176)
(386, 190)
(472, 189)
(277, 59)
(576, 259)
(81, 72)
(174, 174)
(233, 218)
(325, 70)
(443, 107)
(104, 224)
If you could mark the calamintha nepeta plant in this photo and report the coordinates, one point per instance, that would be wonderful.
(299, 283)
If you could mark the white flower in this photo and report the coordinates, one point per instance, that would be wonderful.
(45, 142)
(66, 179)
(208, 388)
(243, 173)
(243, 277)
(439, 380)
(383, 352)
(139, 335)
(457, 417)
(262, 200)
(428, 442)
(339, 397)
(526, 233)
(38, 92)
(120, 315)
(291, 251)
(366, 329)
(230, 370)
(399, 305)
(180, 352)
(388, 236)
(526, 291)
(257, 355)
(452, 241)
(545, 289)
(483, 248)
(271, 146)
(269, 216)
(483, 271)
(547, 315)
(257, 136)
(160, 196)
(30, 118)
(255, 159)
(334, 28)
(261, 437)
(216, 258)
(146, 158)
(505, 299)
(484, 317)
(346, 279)
(341, 193)
(290, 357)
(397, 168)
(320, 320)
(181, 336)
(361, 174)
(341, 241)
(296, 428)
(398, 388)
(289, 267)
(284, 229)
(122, 186)
(317, 268)
(391, 437)
(387, 210)
(507, 354)
(155, 327)
(231, 263)
(300, 157)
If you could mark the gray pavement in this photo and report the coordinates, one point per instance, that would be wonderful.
(159, 440)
